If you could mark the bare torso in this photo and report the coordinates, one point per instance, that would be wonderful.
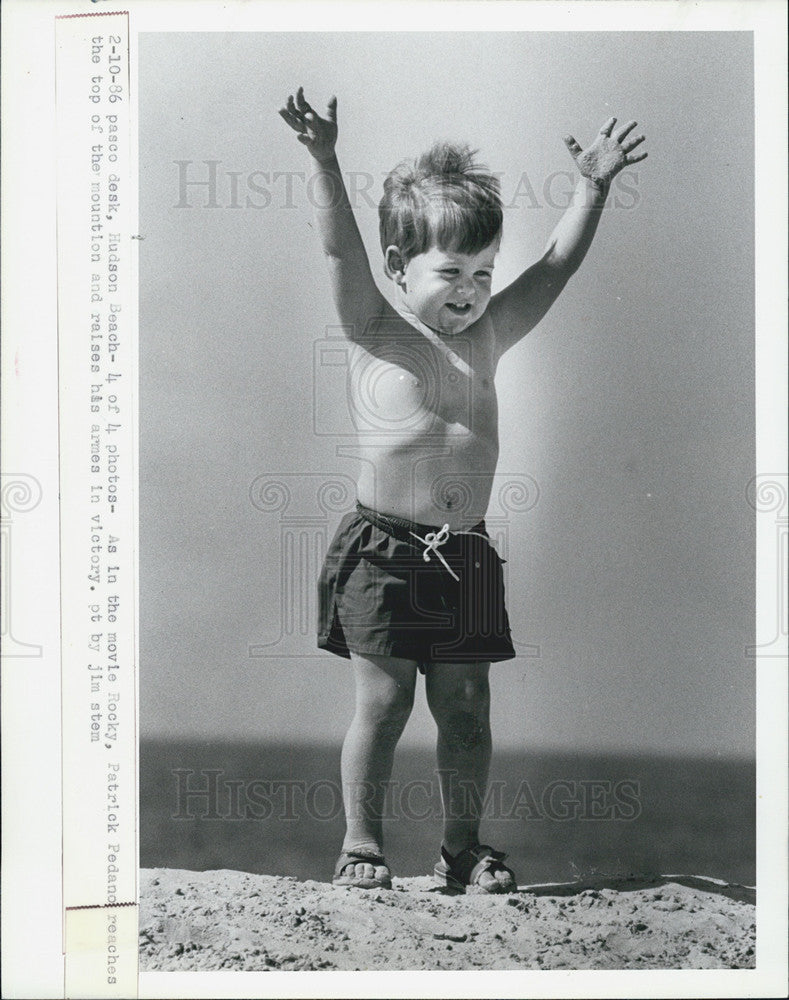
(427, 422)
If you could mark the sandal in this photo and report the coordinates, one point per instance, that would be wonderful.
(464, 870)
(360, 881)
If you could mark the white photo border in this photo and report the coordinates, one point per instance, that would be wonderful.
(31, 703)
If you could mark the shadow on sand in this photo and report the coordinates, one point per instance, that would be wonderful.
(628, 883)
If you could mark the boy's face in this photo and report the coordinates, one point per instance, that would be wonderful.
(446, 290)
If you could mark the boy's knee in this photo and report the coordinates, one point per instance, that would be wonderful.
(389, 711)
(464, 731)
(467, 695)
(462, 713)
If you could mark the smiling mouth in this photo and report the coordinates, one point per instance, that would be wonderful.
(459, 310)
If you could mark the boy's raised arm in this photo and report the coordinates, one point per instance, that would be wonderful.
(519, 308)
(356, 295)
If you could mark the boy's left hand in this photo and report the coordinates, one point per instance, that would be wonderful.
(608, 154)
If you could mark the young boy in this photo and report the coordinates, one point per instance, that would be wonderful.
(411, 582)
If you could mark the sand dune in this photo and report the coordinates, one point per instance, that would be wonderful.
(236, 921)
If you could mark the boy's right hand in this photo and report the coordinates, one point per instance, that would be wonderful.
(318, 134)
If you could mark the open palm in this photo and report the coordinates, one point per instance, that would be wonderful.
(608, 154)
(318, 134)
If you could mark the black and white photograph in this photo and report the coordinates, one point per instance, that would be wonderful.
(458, 566)
(446, 426)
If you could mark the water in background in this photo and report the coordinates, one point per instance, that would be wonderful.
(275, 809)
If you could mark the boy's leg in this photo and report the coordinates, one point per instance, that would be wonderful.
(459, 699)
(384, 698)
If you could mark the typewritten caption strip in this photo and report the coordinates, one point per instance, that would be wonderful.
(96, 389)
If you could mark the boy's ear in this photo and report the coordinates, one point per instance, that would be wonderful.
(394, 265)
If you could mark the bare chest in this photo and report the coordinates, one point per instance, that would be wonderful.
(412, 385)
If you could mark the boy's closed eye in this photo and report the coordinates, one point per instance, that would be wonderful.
(453, 272)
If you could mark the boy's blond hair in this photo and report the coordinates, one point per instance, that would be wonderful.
(444, 199)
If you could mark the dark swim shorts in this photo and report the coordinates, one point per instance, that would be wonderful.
(378, 595)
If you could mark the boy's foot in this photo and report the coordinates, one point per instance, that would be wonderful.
(362, 869)
(478, 869)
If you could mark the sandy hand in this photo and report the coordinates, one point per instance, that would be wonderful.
(608, 154)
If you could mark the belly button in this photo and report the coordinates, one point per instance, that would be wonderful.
(486, 383)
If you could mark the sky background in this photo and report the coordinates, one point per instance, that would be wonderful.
(627, 414)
